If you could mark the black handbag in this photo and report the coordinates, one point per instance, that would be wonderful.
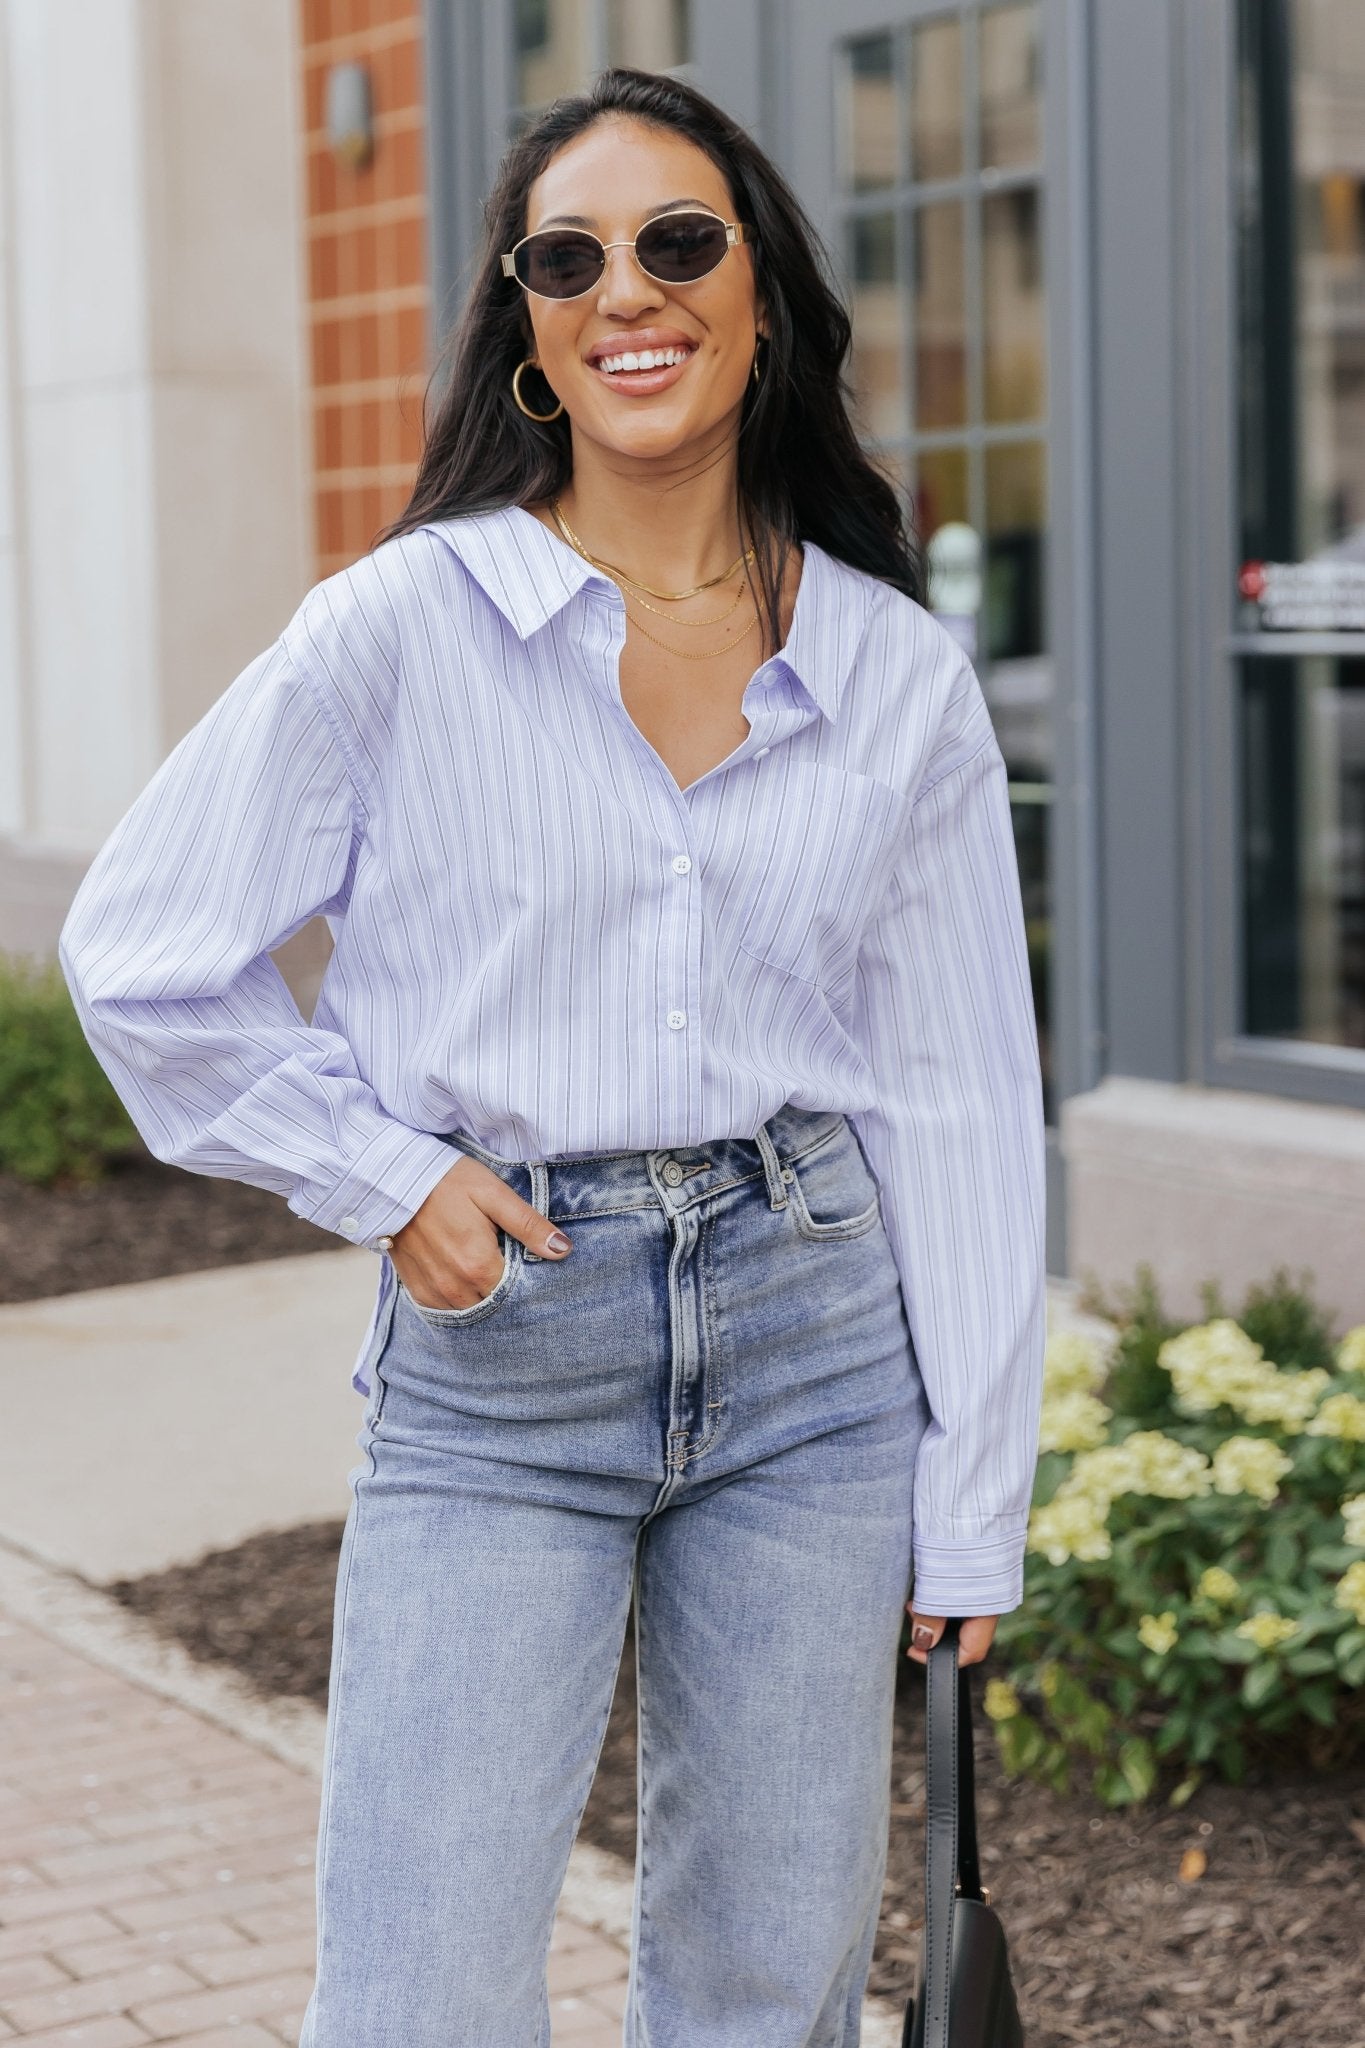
(963, 1995)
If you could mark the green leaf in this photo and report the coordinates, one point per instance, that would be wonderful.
(1308, 1663)
(1186, 1789)
(1137, 1765)
(1258, 1684)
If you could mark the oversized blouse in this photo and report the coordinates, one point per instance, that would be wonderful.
(542, 940)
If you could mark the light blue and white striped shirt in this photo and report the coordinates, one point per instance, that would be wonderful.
(539, 938)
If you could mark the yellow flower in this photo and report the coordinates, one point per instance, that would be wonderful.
(1072, 1364)
(1217, 1584)
(1267, 1630)
(1340, 1415)
(1284, 1398)
(1353, 1515)
(1145, 1462)
(1216, 1364)
(1211, 1363)
(1071, 1527)
(1351, 1350)
(1072, 1421)
(1158, 1632)
(1350, 1592)
(1001, 1701)
(1250, 1464)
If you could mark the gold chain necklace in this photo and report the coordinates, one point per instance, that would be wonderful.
(670, 596)
(708, 654)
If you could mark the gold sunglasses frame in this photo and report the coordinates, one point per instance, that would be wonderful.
(736, 231)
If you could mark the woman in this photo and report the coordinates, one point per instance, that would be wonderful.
(677, 1055)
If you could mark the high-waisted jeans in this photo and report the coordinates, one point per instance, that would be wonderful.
(710, 1406)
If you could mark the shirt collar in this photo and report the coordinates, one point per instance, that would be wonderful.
(530, 575)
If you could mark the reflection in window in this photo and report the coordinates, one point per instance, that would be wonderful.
(936, 103)
(1301, 480)
(1302, 284)
(1011, 275)
(1303, 848)
(869, 114)
(554, 48)
(560, 44)
(878, 310)
(653, 34)
(939, 310)
(1011, 112)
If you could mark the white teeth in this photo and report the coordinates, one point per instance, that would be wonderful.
(642, 359)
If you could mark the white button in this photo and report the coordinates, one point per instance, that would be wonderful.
(676, 1019)
(759, 752)
(682, 863)
(350, 1224)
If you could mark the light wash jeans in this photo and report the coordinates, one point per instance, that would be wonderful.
(710, 1405)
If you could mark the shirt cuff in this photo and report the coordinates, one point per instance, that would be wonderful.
(385, 1186)
(970, 1575)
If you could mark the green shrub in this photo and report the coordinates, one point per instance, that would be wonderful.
(1195, 1580)
(60, 1118)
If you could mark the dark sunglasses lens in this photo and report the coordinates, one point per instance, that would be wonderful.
(559, 264)
(679, 247)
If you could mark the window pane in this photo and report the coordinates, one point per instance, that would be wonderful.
(940, 316)
(942, 493)
(1011, 74)
(869, 114)
(1012, 279)
(1303, 848)
(554, 48)
(653, 34)
(878, 324)
(1015, 522)
(936, 100)
(1302, 309)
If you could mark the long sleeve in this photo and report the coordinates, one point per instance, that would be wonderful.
(944, 1016)
(248, 829)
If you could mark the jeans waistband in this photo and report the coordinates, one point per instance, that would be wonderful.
(605, 1183)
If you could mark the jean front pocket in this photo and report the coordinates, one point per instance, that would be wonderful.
(456, 1318)
(832, 1191)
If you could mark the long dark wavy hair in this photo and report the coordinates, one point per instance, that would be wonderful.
(801, 473)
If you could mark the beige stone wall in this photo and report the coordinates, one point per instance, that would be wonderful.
(1215, 1183)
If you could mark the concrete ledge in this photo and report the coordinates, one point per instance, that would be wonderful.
(1214, 1184)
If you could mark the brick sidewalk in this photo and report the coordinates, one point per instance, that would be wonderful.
(157, 1874)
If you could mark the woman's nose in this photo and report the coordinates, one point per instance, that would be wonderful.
(624, 283)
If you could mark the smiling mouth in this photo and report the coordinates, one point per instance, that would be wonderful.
(643, 370)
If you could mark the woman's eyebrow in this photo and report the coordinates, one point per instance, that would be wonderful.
(582, 220)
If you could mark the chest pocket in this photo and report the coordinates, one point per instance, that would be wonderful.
(829, 858)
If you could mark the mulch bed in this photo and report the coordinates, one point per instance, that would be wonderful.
(1111, 1947)
(144, 1221)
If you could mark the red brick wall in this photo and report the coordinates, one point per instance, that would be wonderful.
(367, 274)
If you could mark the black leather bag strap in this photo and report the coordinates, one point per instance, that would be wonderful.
(950, 1854)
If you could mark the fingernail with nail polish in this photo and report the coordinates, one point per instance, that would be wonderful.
(557, 1242)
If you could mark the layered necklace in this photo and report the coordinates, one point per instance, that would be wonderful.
(632, 586)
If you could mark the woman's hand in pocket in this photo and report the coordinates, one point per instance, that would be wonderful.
(447, 1255)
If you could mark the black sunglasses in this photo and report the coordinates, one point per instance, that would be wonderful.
(673, 248)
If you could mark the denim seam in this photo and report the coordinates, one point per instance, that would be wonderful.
(712, 1348)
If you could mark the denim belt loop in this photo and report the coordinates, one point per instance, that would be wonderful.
(540, 1194)
(776, 1175)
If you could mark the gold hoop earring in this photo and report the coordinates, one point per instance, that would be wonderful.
(754, 364)
(527, 364)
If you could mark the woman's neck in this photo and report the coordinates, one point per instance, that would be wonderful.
(671, 532)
